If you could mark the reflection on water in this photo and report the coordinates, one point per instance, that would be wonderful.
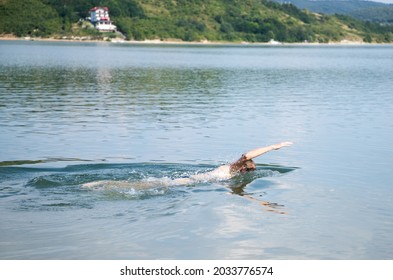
(239, 188)
(130, 116)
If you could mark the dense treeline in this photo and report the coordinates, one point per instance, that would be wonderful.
(22, 17)
(75, 9)
(188, 20)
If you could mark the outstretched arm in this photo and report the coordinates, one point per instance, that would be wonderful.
(259, 151)
(239, 164)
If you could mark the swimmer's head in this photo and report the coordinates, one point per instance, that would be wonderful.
(247, 166)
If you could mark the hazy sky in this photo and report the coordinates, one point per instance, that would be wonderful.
(384, 1)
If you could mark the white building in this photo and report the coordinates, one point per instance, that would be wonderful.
(99, 16)
(99, 13)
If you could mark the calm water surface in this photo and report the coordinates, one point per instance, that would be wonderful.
(72, 114)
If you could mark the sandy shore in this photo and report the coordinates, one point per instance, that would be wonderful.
(179, 42)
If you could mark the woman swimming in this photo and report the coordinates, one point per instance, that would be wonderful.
(243, 165)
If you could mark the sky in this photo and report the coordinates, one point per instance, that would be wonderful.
(384, 1)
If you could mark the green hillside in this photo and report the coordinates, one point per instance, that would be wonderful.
(187, 20)
(375, 14)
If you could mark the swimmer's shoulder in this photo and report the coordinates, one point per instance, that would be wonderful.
(223, 169)
(222, 172)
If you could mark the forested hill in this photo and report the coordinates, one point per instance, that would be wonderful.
(361, 9)
(188, 20)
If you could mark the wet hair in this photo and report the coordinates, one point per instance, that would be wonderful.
(247, 166)
(242, 165)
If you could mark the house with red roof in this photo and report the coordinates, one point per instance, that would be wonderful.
(99, 16)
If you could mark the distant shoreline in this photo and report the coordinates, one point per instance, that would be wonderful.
(179, 42)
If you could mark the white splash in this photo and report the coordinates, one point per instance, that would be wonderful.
(219, 174)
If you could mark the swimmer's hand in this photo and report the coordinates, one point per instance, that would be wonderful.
(282, 144)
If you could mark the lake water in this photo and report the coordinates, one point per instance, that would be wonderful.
(138, 116)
